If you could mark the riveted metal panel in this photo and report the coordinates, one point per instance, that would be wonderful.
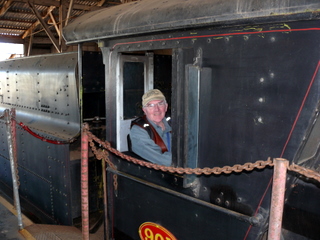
(43, 90)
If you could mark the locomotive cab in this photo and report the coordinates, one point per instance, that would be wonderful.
(242, 83)
(243, 87)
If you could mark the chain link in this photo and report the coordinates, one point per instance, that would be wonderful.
(101, 154)
(237, 168)
(305, 172)
(198, 171)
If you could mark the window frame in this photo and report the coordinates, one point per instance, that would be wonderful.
(123, 125)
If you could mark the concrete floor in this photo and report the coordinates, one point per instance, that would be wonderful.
(9, 229)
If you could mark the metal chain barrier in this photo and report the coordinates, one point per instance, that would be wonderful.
(100, 154)
(260, 164)
(27, 129)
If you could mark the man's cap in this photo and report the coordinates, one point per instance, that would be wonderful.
(153, 94)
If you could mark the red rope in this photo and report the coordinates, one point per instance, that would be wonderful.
(26, 128)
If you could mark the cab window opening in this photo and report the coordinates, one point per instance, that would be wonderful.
(140, 72)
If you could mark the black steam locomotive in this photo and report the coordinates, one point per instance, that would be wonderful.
(242, 82)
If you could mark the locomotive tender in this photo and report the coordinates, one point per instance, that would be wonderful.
(43, 90)
(242, 81)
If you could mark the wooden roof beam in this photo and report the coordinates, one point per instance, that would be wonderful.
(55, 24)
(56, 3)
(11, 39)
(99, 4)
(69, 11)
(44, 25)
(5, 8)
(35, 24)
(10, 28)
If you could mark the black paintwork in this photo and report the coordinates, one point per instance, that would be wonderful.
(259, 102)
(244, 84)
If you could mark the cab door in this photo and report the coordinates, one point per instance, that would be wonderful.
(135, 77)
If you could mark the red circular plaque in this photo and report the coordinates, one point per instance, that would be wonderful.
(153, 231)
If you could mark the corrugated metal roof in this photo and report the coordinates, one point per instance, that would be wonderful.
(18, 21)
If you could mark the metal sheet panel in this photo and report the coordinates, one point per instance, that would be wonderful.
(43, 90)
(44, 178)
(154, 16)
(184, 218)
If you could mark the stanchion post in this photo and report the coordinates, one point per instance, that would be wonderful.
(85, 183)
(11, 130)
(105, 199)
(277, 198)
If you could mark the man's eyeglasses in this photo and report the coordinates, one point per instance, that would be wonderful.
(153, 105)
